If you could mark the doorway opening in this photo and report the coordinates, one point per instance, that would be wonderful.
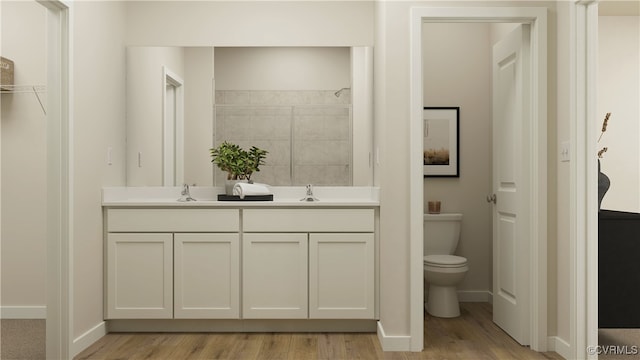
(173, 145)
(56, 144)
(537, 19)
(23, 96)
(486, 56)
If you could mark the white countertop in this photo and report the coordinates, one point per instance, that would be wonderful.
(206, 196)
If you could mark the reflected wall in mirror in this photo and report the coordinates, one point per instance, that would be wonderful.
(151, 152)
(310, 107)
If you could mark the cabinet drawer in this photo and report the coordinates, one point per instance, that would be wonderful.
(308, 220)
(173, 220)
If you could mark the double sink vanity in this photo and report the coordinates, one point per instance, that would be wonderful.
(208, 265)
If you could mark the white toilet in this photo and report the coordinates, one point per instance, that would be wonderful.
(443, 271)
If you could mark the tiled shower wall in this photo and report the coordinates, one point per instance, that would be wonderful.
(307, 134)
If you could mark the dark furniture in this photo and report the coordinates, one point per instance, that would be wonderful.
(618, 269)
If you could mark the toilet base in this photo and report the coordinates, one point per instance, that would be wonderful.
(443, 301)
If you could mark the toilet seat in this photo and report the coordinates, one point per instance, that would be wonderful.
(445, 261)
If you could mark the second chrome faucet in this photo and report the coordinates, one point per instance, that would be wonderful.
(309, 196)
(186, 195)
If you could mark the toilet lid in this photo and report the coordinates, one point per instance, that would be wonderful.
(445, 260)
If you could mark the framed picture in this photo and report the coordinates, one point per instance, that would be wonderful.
(441, 141)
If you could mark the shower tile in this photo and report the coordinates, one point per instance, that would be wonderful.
(261, 97)
(279, 151)
(236, 97)
(321, 175)
(308, 111)
(273, 175)
(308, 127)
(338, 152)
(312, 97)
(309, 153)
(279, 128)
(289, 98)
(321, 128)
(237, 127)
(219, 97)
(322, 152)
(336, 128)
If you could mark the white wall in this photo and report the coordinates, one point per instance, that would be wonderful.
(282, 68)
(198, 115)
(145, 110)
(619, 94)
(24, 164)
(457, 72)
(99, 122)
(250, 23)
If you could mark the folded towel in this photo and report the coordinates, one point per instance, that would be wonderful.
(244, 189)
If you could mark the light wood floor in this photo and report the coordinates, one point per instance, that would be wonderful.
(471, 336)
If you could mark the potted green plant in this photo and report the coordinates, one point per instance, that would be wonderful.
(239, 164)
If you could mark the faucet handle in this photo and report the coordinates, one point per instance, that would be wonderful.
(309, 196)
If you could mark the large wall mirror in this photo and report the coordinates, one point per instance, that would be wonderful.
(310, 107)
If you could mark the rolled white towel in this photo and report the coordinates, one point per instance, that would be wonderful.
(244, 189)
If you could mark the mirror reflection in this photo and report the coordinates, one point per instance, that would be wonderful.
(309, 107)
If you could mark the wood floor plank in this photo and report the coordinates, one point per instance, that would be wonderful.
(359, 346)
(192, 347)
(230, 346)
(331, 346)
(275, 346)
(303, 346)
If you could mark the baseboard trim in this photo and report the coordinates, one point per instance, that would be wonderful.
(475, 296)
(91, 336)
(23, 312)
(244, 325)
(560, 346)
(393, 343)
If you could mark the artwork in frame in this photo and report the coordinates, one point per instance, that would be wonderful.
(441, 141)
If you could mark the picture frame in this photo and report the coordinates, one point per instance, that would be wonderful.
(441, 144)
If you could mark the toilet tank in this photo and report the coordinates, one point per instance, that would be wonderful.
(441, 233)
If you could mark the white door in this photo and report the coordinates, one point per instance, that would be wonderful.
(511, 127)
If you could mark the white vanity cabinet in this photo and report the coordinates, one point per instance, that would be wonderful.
(172, 263)
(325, 254)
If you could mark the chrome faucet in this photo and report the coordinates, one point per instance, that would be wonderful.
(309, 196)
(186, 195)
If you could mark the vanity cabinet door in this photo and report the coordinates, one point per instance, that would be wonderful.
(207, 276)
(139, 276)
(341, 276)
(274, 276)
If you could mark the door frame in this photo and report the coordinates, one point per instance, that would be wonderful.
(537, 18)
(173, 129)
(583, 230)
(59, 318)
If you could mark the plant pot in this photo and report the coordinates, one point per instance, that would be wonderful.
(229, 184)
(603, 185)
